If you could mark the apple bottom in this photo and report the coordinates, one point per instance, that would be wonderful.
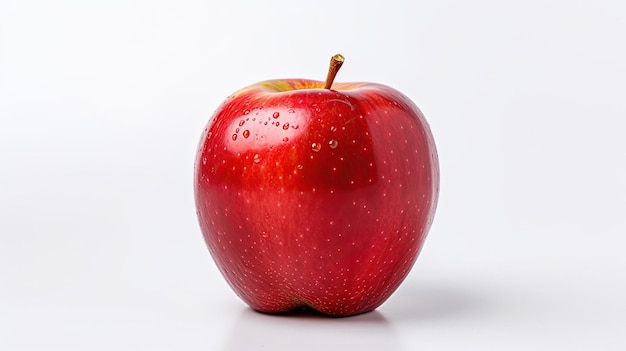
(334, 300)
(344, 262)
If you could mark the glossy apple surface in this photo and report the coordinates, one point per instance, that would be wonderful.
(316, 197)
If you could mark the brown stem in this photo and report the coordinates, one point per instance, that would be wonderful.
(335, 64)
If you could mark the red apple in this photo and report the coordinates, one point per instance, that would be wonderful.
(315, 196)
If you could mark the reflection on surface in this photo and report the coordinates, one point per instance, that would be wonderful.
(306, 330)
(402, 323)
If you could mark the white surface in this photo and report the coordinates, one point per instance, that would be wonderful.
(102, 104)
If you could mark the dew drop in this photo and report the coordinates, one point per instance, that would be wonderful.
(241, 122)
(286, 126)
(246, 133)
(256, 158)
(316, 147)
(245, 112)
(208, 136)
(265, 234)
(285, 139)
(234, 137)
(333, 128)
(204, 160)
(333, 143)
(276, 114)
(299, 166)
(291, 110)
(237, 130)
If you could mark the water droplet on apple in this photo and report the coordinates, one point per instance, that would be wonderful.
(265, 234)
(291, 110)
(208, 136)
(204, 160)
(286, 126)
(299, 166)
(237, 130)
(276, 114)
(285, 139)
(245, 112)
(316, 108)
(241, 123)
(246, 133)
(256, 158)
(333, 128)
(316, 147)
(333, 143)
(234, 137)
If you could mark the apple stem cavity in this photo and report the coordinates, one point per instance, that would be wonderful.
(335, 64)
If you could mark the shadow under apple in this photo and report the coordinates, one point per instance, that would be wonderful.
(304, 330)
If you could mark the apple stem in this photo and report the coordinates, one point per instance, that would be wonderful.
(335, 64)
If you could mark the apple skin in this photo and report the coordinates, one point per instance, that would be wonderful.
(312, 197)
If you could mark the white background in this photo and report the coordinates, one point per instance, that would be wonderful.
(102, 104)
